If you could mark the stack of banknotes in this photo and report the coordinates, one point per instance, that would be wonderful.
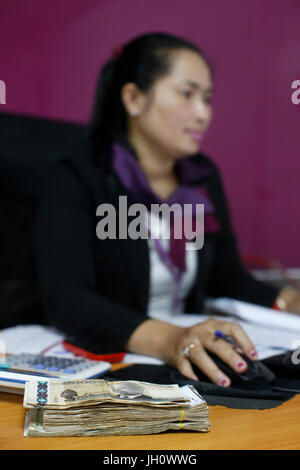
(102, 408)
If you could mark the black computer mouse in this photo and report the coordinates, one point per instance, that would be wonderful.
(255, 371)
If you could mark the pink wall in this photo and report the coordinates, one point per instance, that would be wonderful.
(50, 57)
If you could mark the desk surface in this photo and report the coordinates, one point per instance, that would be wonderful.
(274, 429)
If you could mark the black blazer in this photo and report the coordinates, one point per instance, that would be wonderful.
(96, 291)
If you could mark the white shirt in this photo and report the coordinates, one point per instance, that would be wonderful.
(162, 284)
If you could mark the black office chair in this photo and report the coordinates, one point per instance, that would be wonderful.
(29, 147)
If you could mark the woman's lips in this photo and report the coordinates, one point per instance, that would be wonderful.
(196, 134)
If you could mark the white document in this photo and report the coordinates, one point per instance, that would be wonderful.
(34, 339)
(255, 314)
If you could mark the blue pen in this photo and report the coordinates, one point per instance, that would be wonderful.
(229, 339)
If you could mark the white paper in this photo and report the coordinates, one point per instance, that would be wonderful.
(32, 339)
(255, 314)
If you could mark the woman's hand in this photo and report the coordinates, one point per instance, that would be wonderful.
(288, 300)
(202, 337)
(168, 342)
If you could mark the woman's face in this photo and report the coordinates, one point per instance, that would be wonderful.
(178, 111)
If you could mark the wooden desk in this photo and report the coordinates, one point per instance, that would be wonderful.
(275, 429)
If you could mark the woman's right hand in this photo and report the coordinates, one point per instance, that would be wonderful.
(203, 340)
(168, 342)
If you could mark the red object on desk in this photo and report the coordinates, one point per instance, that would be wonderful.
(113, 357)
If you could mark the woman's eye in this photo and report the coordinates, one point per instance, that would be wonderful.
(187, 94)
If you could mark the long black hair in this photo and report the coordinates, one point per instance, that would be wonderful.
(142, 61)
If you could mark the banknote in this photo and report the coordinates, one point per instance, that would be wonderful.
(99, 407)
(34, 427)
(67, 394)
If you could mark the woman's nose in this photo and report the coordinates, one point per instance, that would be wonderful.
(203, 111)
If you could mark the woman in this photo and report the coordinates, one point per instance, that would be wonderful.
(113, 293)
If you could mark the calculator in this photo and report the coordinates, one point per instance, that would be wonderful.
(19, 368)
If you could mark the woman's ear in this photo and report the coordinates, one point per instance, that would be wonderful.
(133, 99)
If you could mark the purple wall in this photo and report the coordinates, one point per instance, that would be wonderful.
(50, 57)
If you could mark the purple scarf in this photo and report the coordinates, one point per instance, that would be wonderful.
(135, 181)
